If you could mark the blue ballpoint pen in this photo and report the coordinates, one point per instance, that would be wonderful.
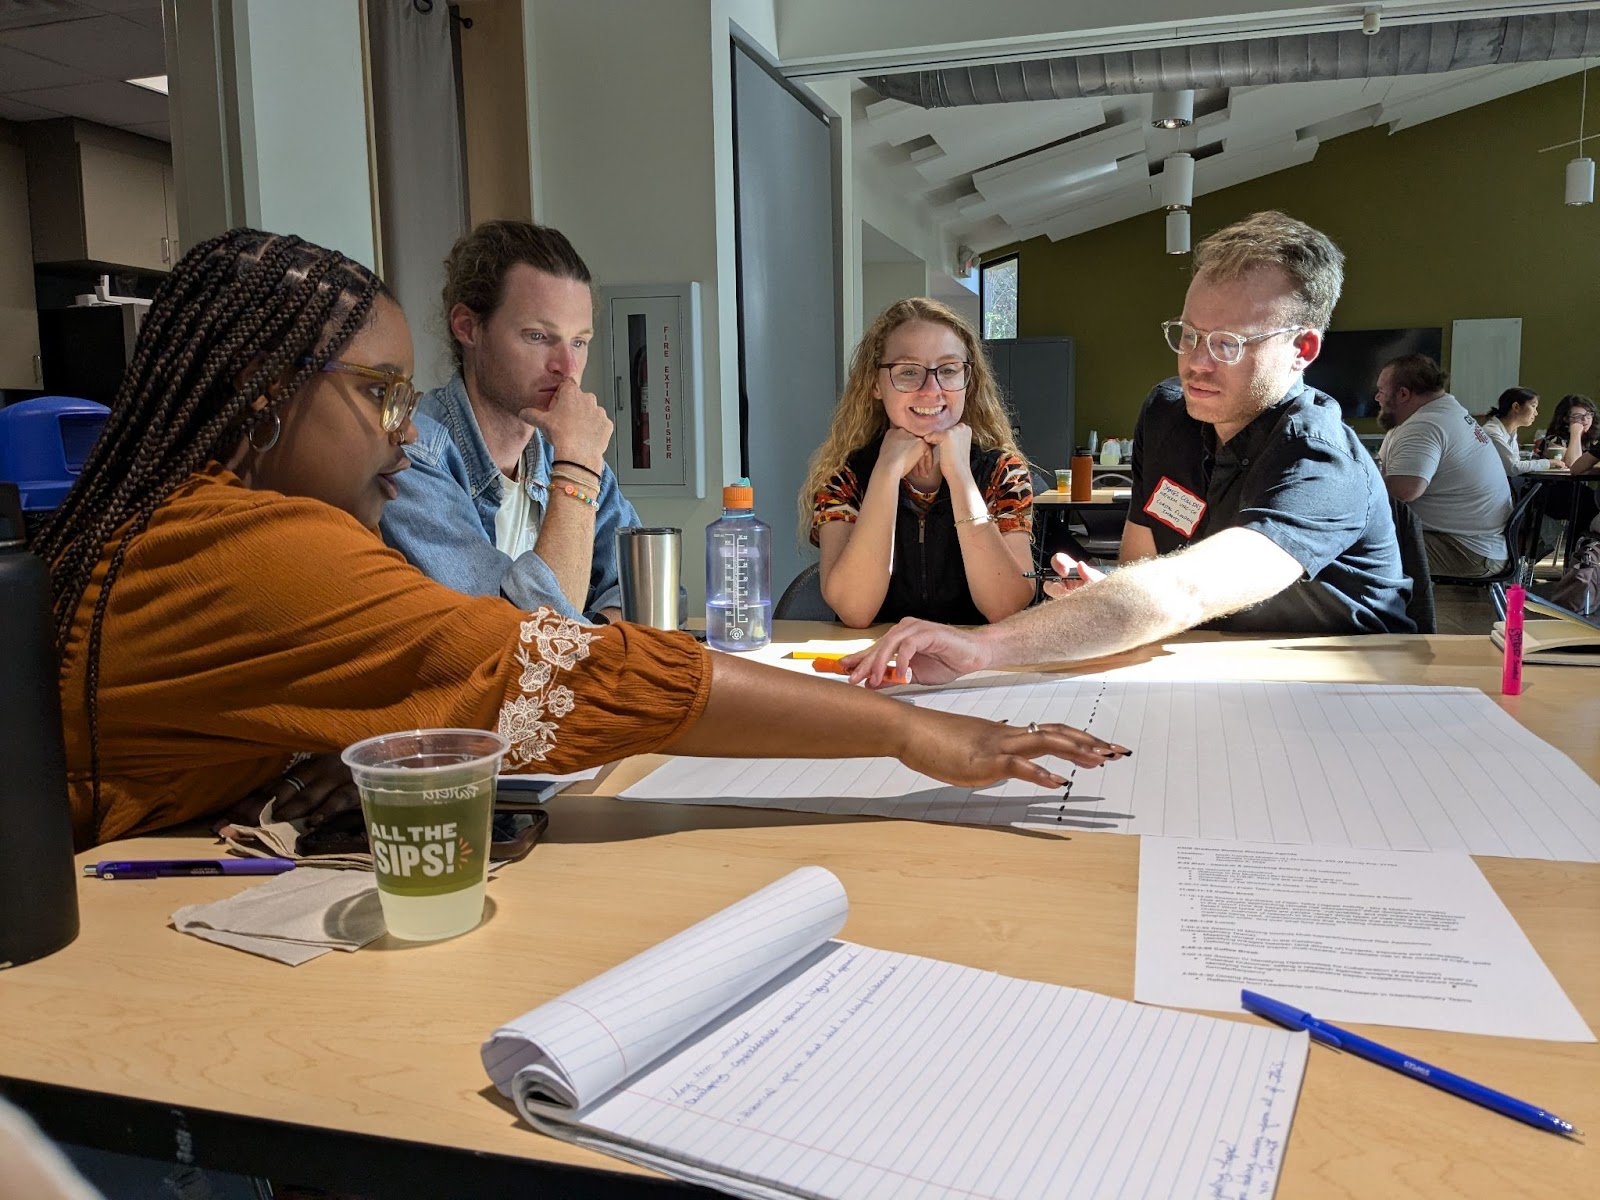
(154, 868)
(1343, 1039)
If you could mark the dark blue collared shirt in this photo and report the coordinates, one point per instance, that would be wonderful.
(1297, 475)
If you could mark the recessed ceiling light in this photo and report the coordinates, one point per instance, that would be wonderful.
(152, 83)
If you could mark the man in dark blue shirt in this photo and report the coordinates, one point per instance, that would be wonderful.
(1297, 475)
(1253, 507)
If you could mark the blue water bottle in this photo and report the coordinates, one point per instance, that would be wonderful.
(738, 574)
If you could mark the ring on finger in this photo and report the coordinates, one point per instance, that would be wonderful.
(294, 781)
(1033, 727)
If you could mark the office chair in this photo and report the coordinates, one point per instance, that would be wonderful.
(1414, 565)
(802, 599)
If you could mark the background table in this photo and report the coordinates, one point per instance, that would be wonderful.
(362, 1070)
(1102, 515)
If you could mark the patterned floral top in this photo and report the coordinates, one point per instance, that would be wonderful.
(1008, 495)
(247, 626)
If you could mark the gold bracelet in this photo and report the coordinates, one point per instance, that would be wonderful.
(979, 519)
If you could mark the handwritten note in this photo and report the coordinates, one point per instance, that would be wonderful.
(862, 1072)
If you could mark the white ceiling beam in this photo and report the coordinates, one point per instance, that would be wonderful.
(819, 38)
(1129, 172)
(1058, 167)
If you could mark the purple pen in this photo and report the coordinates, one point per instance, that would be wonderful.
(153, 868)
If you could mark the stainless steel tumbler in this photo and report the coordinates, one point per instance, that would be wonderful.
(648, 569)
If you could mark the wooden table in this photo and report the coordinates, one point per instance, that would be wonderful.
(362, 1070)
(1101, 497)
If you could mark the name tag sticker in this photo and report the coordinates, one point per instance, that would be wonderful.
(1175, 507)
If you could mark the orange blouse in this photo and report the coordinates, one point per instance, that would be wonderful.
(247, 626)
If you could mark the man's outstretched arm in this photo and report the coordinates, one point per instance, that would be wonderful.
(1141, 603)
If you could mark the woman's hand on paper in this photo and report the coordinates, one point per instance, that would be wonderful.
(971, 752)
(313, 790)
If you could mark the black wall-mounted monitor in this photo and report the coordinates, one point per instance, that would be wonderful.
(1347, 369)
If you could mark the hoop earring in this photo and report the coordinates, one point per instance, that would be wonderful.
(250, 435)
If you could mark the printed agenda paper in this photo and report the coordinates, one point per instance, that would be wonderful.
(1373, 936)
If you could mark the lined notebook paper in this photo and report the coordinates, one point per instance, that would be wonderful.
(1366, 765)
(755, 1053)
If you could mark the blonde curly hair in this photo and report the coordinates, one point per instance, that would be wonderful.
(859, 417)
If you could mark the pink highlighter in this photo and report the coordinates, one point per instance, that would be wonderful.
(1511, 678)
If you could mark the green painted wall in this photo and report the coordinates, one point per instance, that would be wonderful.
(1454, 219)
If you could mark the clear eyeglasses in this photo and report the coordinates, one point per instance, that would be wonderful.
(910, 377)
(1223, 346)
(398, 400)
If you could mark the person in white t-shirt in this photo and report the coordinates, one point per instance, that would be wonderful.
(1439, 460)
(1516, 409)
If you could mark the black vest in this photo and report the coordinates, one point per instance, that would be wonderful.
(927, 578)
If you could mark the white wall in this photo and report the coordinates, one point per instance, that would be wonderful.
(959, 294)
(303, 122)
(871, 197)
(882, 283)
(632, 147)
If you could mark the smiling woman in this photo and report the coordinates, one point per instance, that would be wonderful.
(920, 500)
(224, 605)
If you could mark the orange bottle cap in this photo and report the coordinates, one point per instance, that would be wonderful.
(739, 495)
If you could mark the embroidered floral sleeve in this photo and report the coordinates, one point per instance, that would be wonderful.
(588, 694)
(529, 720)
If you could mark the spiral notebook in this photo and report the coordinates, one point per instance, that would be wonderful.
(757, 1054)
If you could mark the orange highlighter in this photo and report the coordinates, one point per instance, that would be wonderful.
(828, 664)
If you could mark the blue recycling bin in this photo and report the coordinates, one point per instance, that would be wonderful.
(44, 443)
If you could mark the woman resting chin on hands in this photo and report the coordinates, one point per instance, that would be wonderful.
(919, 500)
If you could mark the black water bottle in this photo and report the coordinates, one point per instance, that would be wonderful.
(38, 886)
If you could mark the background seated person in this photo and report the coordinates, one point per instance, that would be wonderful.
(1516, 409)
(1572, 431)
(1254, 508)
(919, 499)
(1439, 460)
(222, 599)
(510, 494)
(1574, 441)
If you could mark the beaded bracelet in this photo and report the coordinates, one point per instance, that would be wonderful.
(567, 462)
(978, 519)
(575, 492)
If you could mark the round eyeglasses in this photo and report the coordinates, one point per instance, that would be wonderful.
(911, 377)
(1225, 347)
(399, 399)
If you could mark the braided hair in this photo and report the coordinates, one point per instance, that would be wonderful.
(242, 317)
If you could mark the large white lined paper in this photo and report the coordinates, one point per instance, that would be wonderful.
(1371, 766)
(850, 1071)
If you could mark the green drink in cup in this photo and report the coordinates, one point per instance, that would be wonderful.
(428, 795)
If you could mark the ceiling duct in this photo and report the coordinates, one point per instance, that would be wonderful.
(1300, 58)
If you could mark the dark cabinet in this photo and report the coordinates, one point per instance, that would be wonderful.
(1035, 377)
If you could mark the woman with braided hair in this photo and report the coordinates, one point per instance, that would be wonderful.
(224, 604)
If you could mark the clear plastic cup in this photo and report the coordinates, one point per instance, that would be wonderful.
(1064, 480)
(428, 795)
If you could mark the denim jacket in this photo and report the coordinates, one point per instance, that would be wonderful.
(444, 518)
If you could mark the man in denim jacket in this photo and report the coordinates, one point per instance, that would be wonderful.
(509, 493)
